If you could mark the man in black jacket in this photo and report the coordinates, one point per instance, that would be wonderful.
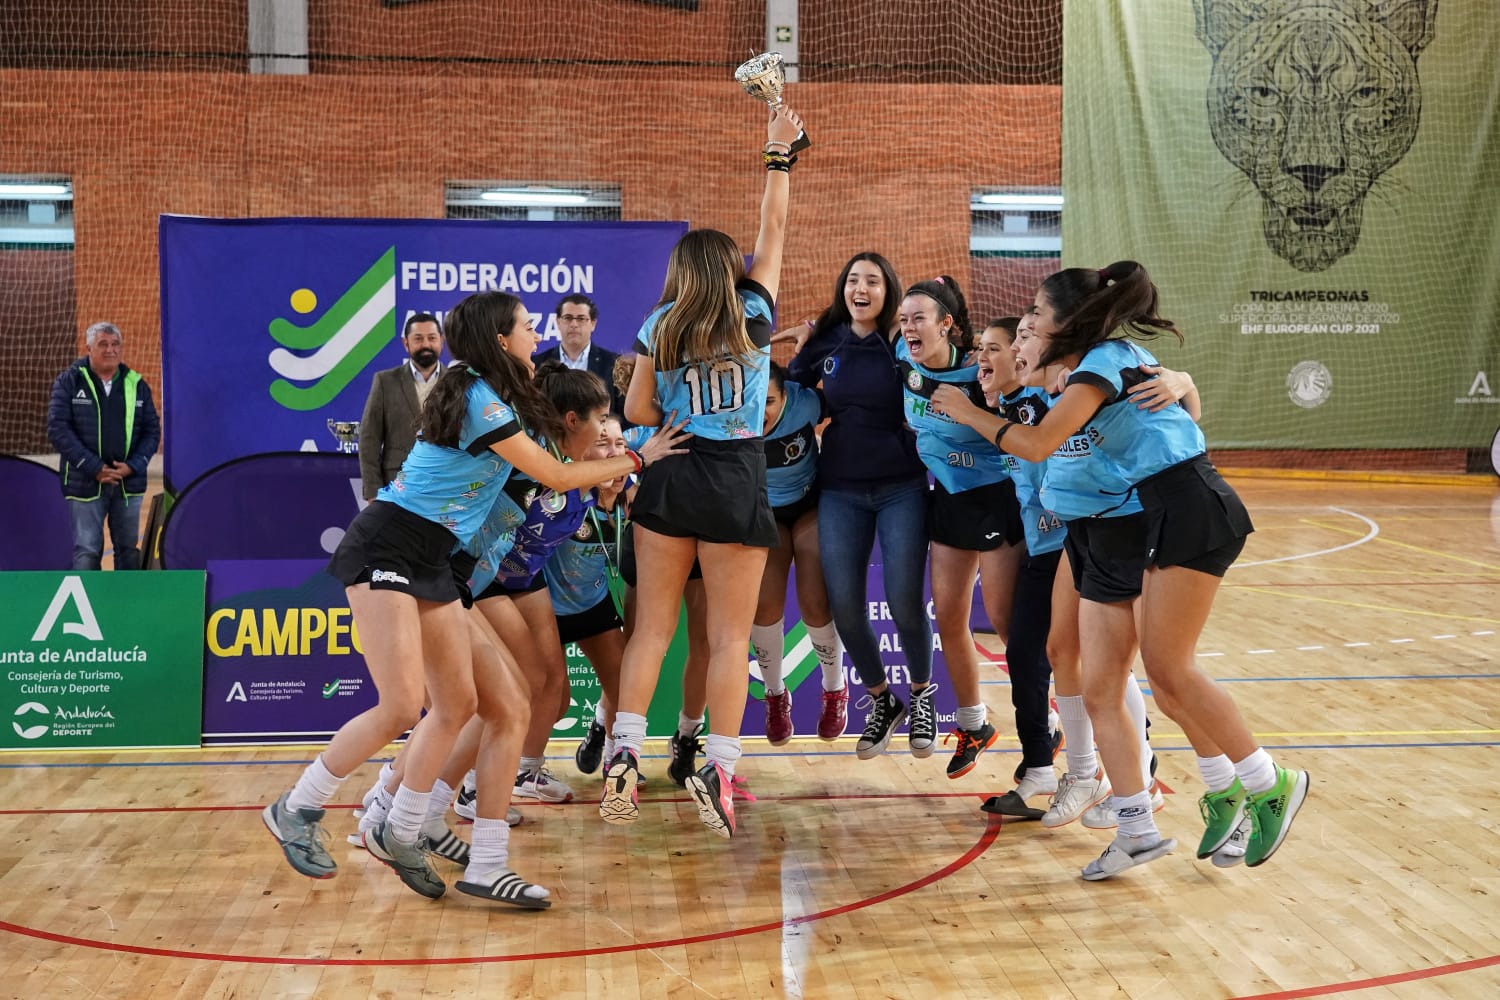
(576, 318)
(103, 423)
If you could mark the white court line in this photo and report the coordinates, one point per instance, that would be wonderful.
(1372, 533)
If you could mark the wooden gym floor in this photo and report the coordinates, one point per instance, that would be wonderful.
(1359, 633)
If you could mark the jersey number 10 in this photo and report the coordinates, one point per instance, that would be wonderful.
(726, 387)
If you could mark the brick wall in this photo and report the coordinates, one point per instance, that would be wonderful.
(891, 170)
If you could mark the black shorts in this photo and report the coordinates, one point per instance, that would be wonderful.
(792, 512)
(627, 561)
(586, 624)
(716, 493)
(977, 520)
(1194, 518)
(1108, 557)
(463, 571)
(499, 588)
(390, 548)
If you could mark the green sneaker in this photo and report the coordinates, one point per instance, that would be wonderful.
(1222, 812)
(1271, 814)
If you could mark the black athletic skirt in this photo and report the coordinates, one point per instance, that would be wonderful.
(1194, 518)
(390, 548)
(1107, 556)
(716, 492)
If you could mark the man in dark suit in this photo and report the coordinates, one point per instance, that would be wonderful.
(388, 428)
(576, 318)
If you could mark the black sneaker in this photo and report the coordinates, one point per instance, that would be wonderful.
(685, 751)
(886, 713)
(590, 753)
(971, 743)
(922, 733)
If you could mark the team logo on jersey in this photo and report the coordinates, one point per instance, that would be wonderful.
(1309, 384)
(1026, 414)
(494, 412)
(796, 447)
(343, 341)
(552, 502)
(914, 380)
(584, 533)
(830, 364)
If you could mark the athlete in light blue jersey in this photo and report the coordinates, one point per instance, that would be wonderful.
(793, 413)
(395, 564)
(956, 456)
(972, 516)
(1043, 526)
(1140, 443)
(457, 486)
(792, 444)
(702, 354)
(1195, 528)
(723, 398)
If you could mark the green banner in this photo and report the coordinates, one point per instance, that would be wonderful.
(1314, 186)
(101, 660)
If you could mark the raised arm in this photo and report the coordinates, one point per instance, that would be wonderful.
(765, 267)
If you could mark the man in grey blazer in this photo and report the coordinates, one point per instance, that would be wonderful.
(388, 428)
(576, 318)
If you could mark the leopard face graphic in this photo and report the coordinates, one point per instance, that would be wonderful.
(1313, 100)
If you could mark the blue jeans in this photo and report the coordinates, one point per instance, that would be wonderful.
(124, 516)
(848, 523)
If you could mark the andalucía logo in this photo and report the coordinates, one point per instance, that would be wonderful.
(345, 339)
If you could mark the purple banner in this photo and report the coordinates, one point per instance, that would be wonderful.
(282, 662)
(36, 533)
(272, 328)
(287, 505)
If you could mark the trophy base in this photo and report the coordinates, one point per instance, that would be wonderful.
(800, 143)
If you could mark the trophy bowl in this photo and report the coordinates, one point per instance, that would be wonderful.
(764, 78)
(346, 433)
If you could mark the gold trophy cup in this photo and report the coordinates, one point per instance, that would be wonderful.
(764, 78)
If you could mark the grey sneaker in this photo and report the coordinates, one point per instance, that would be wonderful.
(1122, 855)
(409, 861)
(300, 834)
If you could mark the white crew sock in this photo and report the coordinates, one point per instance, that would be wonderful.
(830, 649)
(315, 787)
(687, 726)
(971, 717)
(724, 751)
(630, 732)
(1135, 704)
(1218, 772)
(1257, 772)
(408, 809)
(1083, 762)
(769, 643)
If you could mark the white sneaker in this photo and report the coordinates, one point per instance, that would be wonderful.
(1073, 798)
(1233, 850)
(463, 802)
(1101, 815)
(542, 786)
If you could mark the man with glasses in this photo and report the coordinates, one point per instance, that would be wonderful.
(103, 423)
(576, 318)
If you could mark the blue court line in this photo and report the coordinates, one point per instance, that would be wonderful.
(778, 753)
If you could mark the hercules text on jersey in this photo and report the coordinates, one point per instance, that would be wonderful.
(456, 487)
(792, 446)
(723, 399)
(958, 456)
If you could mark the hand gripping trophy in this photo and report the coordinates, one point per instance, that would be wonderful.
(764, 78)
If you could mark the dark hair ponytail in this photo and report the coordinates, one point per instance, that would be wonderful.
(571, 390)
(474, 327)
(1090, 306)
(945, 292)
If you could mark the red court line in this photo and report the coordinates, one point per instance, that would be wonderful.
(1369, 984)
(991, 831)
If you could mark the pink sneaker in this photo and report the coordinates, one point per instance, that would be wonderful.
(835, 714)
(713, 794)
(779, 728)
